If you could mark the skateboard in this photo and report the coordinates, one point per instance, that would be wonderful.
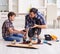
(23, 46)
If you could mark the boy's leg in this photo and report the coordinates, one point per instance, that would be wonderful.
(18, 35)
(22, 35)
(12, 38)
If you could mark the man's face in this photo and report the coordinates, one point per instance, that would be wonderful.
(12, 18)
(32, 15)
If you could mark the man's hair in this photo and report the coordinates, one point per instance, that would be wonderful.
(34, 10)
(11, 14)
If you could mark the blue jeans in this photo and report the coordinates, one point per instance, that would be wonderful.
(13, 37)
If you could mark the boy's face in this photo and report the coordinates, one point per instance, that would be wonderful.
(32, 15)
(12, 18)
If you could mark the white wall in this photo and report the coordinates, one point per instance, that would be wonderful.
(51, 13)
(25, 5)
(58, 5)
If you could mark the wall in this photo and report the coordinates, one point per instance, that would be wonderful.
(51, 14)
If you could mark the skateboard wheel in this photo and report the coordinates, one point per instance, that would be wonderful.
(14, 42)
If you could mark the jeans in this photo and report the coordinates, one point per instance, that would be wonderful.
(31, 32)
(13, 37)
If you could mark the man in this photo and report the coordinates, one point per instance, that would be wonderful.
(34, 22)
(8, 31)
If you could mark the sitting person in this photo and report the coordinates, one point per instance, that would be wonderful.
(34, 22)
(8, 31)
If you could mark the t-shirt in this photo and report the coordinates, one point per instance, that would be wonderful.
(6, 25)
(38, 19)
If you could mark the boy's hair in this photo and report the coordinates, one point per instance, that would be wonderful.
(11, 14)
(34, 10)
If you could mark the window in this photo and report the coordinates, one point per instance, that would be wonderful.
(51, 1)
(3, 5)
(58, 3)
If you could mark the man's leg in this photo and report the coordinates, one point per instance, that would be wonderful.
(38, 33)
(31, 34)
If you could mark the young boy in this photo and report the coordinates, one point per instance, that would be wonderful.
(9, 33)
(34, 22)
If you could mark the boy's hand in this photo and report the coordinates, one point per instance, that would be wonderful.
(23, 32)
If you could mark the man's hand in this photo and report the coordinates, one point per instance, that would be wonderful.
(35, 26)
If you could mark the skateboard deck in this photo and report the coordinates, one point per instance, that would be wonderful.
(23, 46)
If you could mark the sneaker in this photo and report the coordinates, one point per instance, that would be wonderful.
(24, 41)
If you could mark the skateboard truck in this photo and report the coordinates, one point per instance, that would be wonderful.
(30, 44)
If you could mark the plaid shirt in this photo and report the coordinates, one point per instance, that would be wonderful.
(39, 19)
(6, 25)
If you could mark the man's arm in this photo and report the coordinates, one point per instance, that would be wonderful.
(42, 26)
(42, 20)
(39, 26)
